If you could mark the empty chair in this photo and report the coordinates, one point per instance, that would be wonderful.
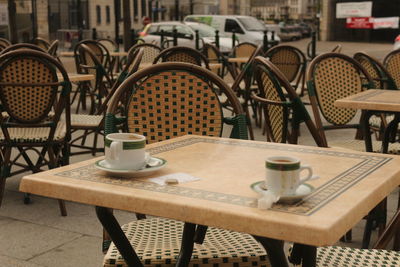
(292, 63)
(171, 100)
(243, 49)
(37, 119)
(282, 108)
(215, 56)
(182, 54)
(150, 52)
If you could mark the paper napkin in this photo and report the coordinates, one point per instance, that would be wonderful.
(179, 176)
(268, 198)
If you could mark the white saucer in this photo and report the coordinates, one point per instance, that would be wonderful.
(302, 191)
(156, 164)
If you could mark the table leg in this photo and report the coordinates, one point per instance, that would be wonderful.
(366, 131)
(185, 254)
(113, 228)
(303, 255)
(274, 250)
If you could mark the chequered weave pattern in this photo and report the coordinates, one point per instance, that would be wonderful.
(350, 257)
(149, 54)
(28, 103)
(335, 78)
(275, 113)
(371, 71)
(181, 57)
(172, 104)
(288, 62)
(157, 242)
(393, 67)
(34, 135)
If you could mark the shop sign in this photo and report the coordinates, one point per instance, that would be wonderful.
(353, 9)
(386, 23)
(359, 23)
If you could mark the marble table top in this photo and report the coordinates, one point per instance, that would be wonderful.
(373, 99)
(350, 184)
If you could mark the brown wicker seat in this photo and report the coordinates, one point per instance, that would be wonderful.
(392, 64)
(35, 101)
(94, 123)
(182, 54)
(171, 100)
(292, 63)
(279, 100)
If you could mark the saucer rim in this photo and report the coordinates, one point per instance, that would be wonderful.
(286, 198)
(98, 165)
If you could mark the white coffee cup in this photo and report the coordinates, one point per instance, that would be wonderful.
(125, 151)
(283, 175)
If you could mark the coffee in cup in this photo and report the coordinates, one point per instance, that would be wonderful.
(283, 175)
(125, 151)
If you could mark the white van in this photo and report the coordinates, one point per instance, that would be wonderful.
(246, 28)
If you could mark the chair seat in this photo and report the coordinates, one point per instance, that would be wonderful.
(37, 134)
(346, 257)
(157, 242)
(359, 145)
(83, 120)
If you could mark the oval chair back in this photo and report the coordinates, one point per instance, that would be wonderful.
(392, 64)
(182, 54)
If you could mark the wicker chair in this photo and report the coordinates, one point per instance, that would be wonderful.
(244, 49)
(292, 63)
(150, 52)
(215, 56)
(392, 64)
(35, 101)
(344, 256)
(190, 106)
(53, 48)
(22, 46)
(4, 42)
(182, 54)
(95, 123)
(42, 43)
(280, 101)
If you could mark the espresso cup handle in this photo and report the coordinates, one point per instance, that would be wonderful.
(308, 177)
(115, 148)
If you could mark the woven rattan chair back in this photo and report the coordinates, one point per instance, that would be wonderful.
(110, 44)
(53, 48)
(42, 43)
(22, 46)
(289, 60)
(279, 100)
(4, 42)
(98, 49)
(173, 99)
(392, 64)
(150, 51)
(381, 77)
(182, 54)
(28, 88)
(212, 53)
(244, 49)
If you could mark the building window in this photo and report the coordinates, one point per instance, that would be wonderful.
(108, 15)
(143, 4)
(135, 10)
(98, 14)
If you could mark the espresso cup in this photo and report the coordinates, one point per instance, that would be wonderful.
(283, 175)
(125, 151)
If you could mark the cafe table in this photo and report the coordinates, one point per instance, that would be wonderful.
(238, 59)
(371, 102)
(350, 185)
(77, 77)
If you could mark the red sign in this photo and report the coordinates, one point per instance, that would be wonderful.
(360, 23)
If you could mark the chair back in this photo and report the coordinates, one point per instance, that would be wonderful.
(244, 49)
(98, 49)
(22, 46)
(332, 76)
(42, 43)
(279, 100)
(291, 62)
(182, 54)
(53, 48)
(381, 77)
(150, 51)
(2, 47)
(212, 53)
(110, 44)
(392, 64)
(173, 99)
(4, 42)
(29, 86)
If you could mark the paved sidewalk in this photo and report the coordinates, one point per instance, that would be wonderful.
(36, 234)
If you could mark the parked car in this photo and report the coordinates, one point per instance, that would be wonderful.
(186, 34)
(305, 29)
(397, 42)
(246, 28)
(290, 33)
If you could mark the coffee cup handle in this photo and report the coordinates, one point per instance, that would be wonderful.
(308, 177)
(115, 149)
